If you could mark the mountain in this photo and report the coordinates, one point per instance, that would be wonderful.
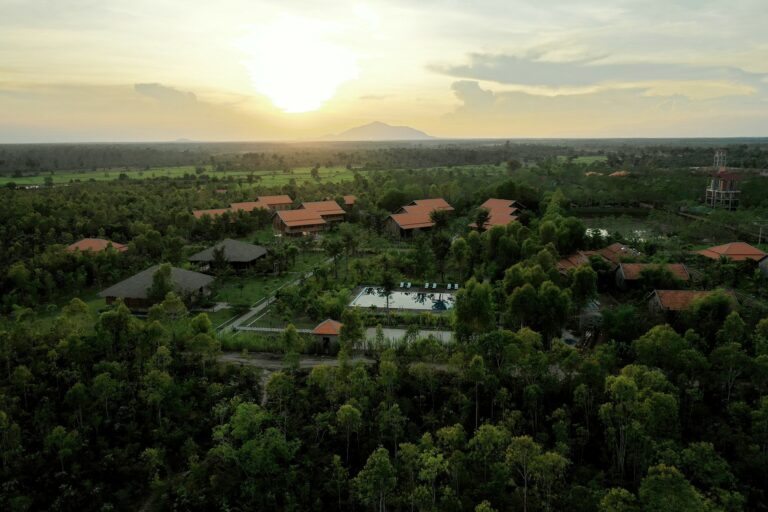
(381, 131)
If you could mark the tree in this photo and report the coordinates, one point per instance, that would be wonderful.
(548, 469)
(474, 311)
(665, 489)
(521, 454)
(376, 481)
(105, 388)
(387, 285)
(476, 374)
(162, 283)
(62, 442)
(352, 329)
(583, 285)
(481, 218)
(460, 256)
(349, 420)
(619, 500)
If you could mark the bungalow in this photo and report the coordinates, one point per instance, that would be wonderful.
(632, 272)
(135, 290)
(298, 222)
(275, 203)
(613, 254)
(238, 255)
(327, 332)
(738, 251)
(674, 301)
(95, 245)
(350, 200)
(416, 216)
(215, 212)
(500, 212)
(330, 211)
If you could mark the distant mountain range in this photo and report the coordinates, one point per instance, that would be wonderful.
(380, 131)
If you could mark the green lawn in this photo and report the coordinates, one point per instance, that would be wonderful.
(221, 316)
(44, 318)
(251, 289)
(272, 319)
(585, 159)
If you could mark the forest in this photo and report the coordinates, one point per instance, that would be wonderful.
(103, 409)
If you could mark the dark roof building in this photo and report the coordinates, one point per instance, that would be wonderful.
(235, 252)
(135, 290)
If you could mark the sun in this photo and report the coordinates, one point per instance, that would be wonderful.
(293, 63)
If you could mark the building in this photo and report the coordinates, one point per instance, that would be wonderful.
(95, 245)
(268, 203)
(723, 190)
(674, 301)
(632, 272)
(330, 211)
(416, 216)
(327, 332)
(500, 212)
(350, 201)
(134, 291)
(613, 255)
(298, 222)
(238, 255)
(215, 212)
(738, 251)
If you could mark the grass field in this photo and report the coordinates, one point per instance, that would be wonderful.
(249, 290)
(586, 159)
(261, 178)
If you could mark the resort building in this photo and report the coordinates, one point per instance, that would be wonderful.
(298, 222)
(416, 216)
(269, 203)
(215, 212)
(628, 273)
(613, 254)
(500, 212)
(674, 301)
(134, 291)
(238, 255)
(330, 211)
(737, 251)
(95, 245)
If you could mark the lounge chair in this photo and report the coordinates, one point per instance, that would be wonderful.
(434, 286)
(450, 286)
(426, 285)
(402, 284)
(408, 285)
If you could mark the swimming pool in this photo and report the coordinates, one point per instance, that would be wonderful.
(414, 300)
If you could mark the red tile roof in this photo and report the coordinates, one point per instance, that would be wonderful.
(323, 207)
(349, 200)
(275, 200)
(418, 214)
(678, 300)
(328, 328)
(199, 214)
(500, 212)
(298, 218)
(632, 271)
(95, 245)
(437, 203)
(248, 206)
(574, 260)
(735, 251)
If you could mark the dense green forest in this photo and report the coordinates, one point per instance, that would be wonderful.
(106, 410)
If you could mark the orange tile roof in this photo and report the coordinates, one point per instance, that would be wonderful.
(500, 212)
(632, 271)
(735, 251)
(678, 300)
(275, 200)
(199, 214)
(248, 206)
(323, 207)
(328, 328)
(95, 245)
(298, 218)
(349, 200)
(437, 203)
(574, 260)
(619, 174)
(615, 252)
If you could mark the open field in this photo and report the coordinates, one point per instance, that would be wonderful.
(586, 159)
(263, 178)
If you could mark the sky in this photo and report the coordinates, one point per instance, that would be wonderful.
(158, 70)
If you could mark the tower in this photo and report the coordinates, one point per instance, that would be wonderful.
(723, 191)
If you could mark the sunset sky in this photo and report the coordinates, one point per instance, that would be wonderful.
(149, 70)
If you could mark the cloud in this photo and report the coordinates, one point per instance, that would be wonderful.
(165, 94)
(584, 75)
(375, 97)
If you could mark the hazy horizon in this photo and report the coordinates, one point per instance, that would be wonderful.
(299, 71)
